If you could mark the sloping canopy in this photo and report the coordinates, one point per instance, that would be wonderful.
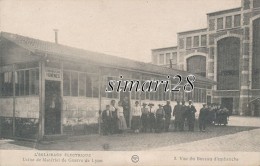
(39, 46)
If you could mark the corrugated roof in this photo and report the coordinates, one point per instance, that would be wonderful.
(36, 45)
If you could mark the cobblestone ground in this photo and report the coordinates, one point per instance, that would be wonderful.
(242, 134)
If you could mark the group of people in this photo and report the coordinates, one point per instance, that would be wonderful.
(218, 114)
(113, 118)
(145, 118)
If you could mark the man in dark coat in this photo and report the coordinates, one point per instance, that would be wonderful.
(191, 110)
(178, 113)
(126, 109)
(106, 118)
(204, 111)
(160, 117)
(184, 111)
(168, 111)
(144, 117)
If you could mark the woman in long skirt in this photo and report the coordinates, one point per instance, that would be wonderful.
(136, 117)
(121, 119)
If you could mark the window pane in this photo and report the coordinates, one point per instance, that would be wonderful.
(168, 56)
(74, 83)
(212, 24)
(196, 41)
(188, 42)
(228, 21)
(174, 58)
(37, 82)
(256, 3)
(32, 75)
(82, 84)
(89, 86)
(27, 82)
(203, 40)
(66, 83)
(220, 23)
(181, 43)
(95, 84)
(21, 83)
(161, 58)
(237, 20)
(17, 83)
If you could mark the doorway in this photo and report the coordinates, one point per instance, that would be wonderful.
(228, 103)
(52, 107)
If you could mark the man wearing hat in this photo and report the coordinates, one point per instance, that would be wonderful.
(203, 118)
(160, 118)
(106, 119)
(151, 118)
(179, 117)
(191, 110)
(168, 111)
(144, 117)
(184, 111)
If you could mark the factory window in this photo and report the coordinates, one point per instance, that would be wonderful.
(256, 3)
(74, 83)
(197, 65)
(228, 50)
(174, 58)
(112, 94)
(237, 20)
(181, 43)
(212, 24)
(219, 23)
(188, 42)
(203, 40)
(6, 84)
(34, 82)
(92, 86)
(256, 53)
(161, 58)
(66, 83)
(196, 41)
(82, 84)
(27, 82)
(229, 22)
(168, 56)
(95, 86)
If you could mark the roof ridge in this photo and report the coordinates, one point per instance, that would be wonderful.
(70, 47)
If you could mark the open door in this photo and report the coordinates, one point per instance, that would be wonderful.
(52, 107)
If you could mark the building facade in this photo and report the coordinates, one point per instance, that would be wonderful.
(36, 76)
(226, 51)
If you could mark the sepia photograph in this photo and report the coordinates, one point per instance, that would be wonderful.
(129, 82)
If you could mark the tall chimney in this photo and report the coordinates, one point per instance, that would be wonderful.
(56, 35)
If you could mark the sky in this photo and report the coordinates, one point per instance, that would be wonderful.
(125, 28)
